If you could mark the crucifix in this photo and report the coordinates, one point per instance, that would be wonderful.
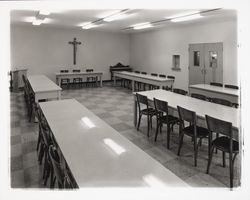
(74, 43)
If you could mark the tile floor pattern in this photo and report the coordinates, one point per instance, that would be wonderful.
(114, 106)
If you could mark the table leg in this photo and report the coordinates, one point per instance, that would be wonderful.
(135, 111)
(101, 81)
(114, 81)
(133, 85)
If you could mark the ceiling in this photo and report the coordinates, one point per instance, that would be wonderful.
(74, 18)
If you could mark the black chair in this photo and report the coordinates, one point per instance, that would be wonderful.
(59, 172)
(224, 143)
(221, 101)
(137, 72)
(149, 112)
(192, 130)
(143, 86)
(180, 91)
(137, 85)
(65, 81)
(171, 77)
(231, 86)
(152, 87)
(216, 84)
(199, 96)
(163, 117)
(78, 80)
(162, 76)
(91, 80)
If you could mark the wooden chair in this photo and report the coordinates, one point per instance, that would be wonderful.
(163, 117)
(171, 87)
(152, 87)
(59, 172)
(216, 84)
(91, 80)
(192, 130)
(231, 86)
(224, 143)
(180, 91)
(65, 81)
(221, 101)
(149, 112)
(199, 96)
(78, 80)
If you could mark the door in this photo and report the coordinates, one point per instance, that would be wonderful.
(205, 63)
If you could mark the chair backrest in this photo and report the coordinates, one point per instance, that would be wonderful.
(219, 126)
(180, 91)
(89, 70)
(199, 96)
(161, 106)
(64, 71)
(222, 101)
(76, 70)
(137, 72)
(154, 74)
(57, 165)
(171, 77)
(231, 86)
(216, 84)
(141, 99)
(162, 76)
(143, 72)
(186, 115)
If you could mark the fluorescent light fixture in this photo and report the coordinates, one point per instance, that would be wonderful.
(114, 146)
(44, 12)
(115, 17)
(89, 25)
(183, 14)
(153, 181)
(88, 122)
(142, 25)
(186, 18)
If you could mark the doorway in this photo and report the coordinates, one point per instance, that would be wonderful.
(205, 63)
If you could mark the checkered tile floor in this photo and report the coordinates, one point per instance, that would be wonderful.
(115, 107)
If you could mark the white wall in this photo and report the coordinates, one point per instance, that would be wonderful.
(152, 51)
(46, 50)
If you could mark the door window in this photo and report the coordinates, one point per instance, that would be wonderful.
(196, 58)
(213, 59)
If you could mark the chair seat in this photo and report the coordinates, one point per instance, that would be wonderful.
(201, 132)
(168, 119)
(149, 111)
(222, 143)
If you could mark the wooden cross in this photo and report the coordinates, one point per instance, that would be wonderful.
(74, 43)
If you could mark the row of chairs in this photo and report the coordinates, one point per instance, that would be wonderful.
(226, 85)
(55, 167)
(78, 81)
(223, 142)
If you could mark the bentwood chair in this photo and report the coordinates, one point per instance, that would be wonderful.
(59, 172)
(199, 96)
(149, 112)
(163, 117)
(231, 86)
(77, 80)
(65, 81)
(221, 101)
(216, 84)
(224, 143)
(197, 133)
(180, 91)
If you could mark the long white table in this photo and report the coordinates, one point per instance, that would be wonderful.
(143, 78)
(72, 75)
(44, 88)
(98, 156)
(201, 107)
(215, 92)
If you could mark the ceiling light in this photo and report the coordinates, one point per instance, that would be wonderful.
(44, 12)
(142, 26)
(183, 14)
(115, 17)
(186, 18)
(89, 26)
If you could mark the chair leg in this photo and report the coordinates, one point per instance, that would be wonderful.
(195, 151)
(231, 169)
(139, 121)
(148, 124)
(210, 158)
(223, 159)
(168, 135)
(157, 127)
(180, 143)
